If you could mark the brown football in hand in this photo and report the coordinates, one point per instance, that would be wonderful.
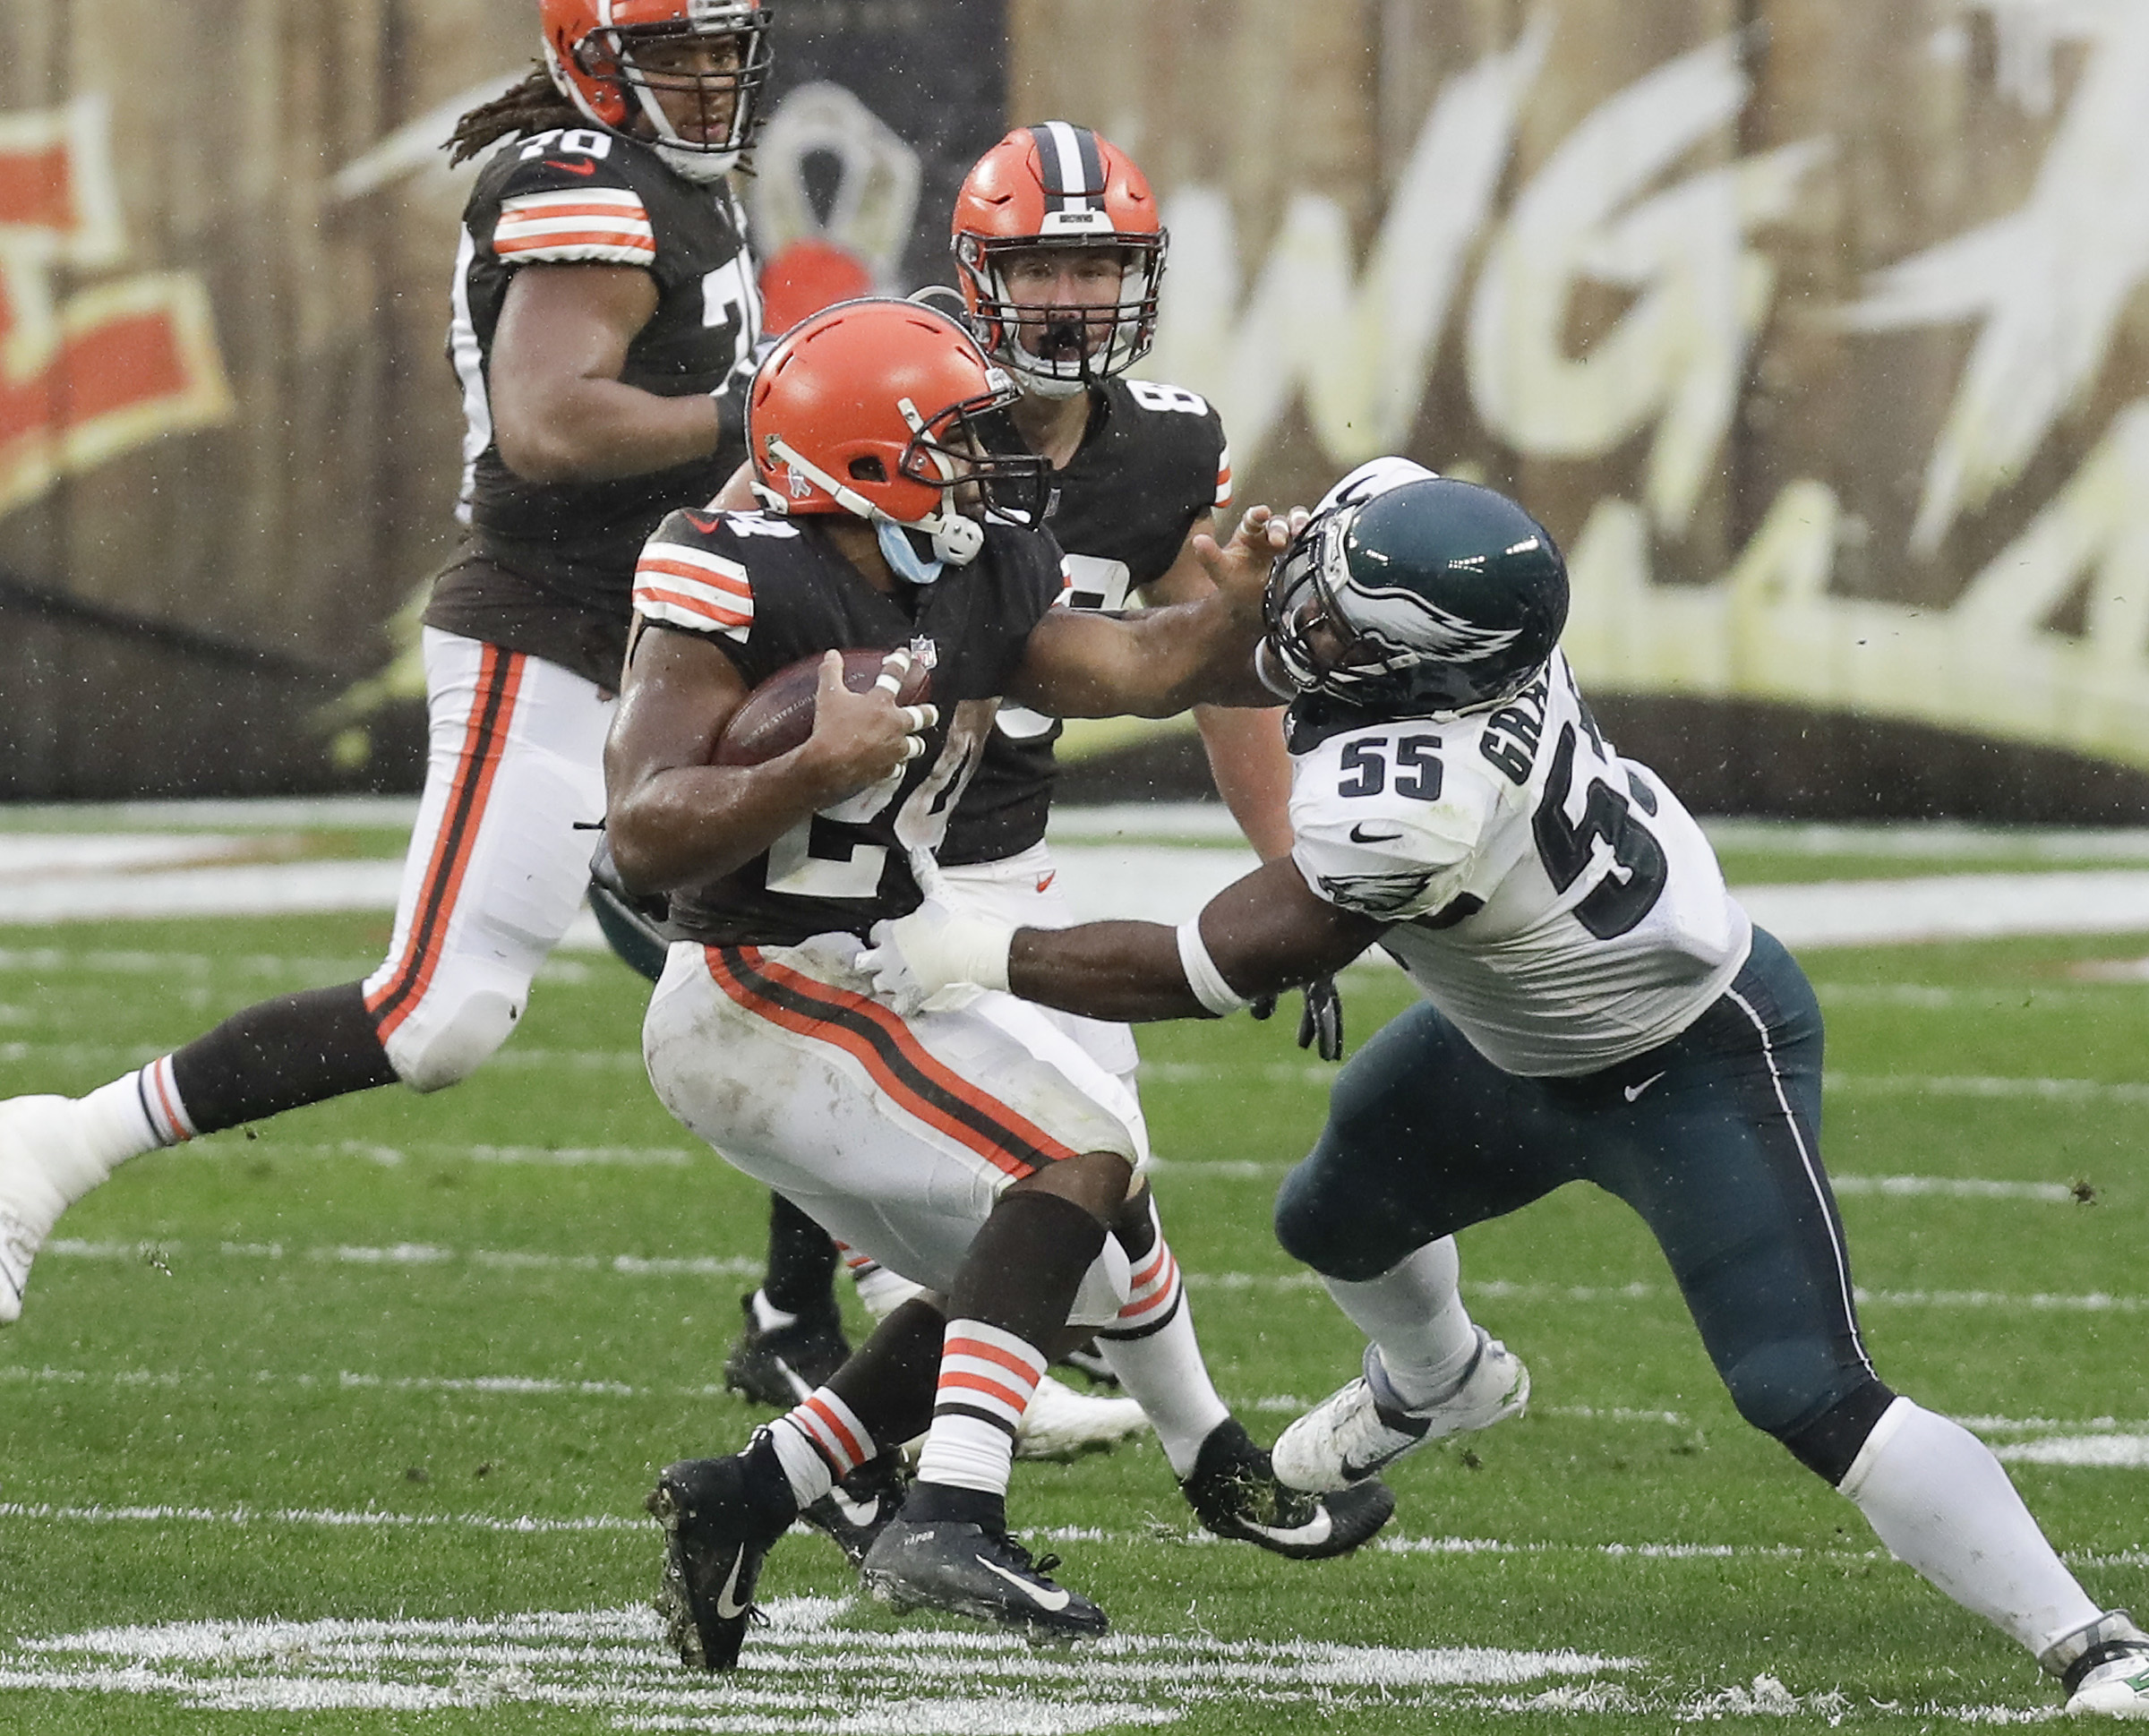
(778, 715)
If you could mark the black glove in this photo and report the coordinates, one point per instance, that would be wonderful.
(1319, 1022)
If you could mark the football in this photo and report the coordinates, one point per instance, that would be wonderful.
(778, 715)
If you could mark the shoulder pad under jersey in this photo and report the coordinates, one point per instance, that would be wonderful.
(691, 574)
(569, 196)
(1385, 822)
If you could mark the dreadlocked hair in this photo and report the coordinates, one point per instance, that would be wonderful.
(533, 106)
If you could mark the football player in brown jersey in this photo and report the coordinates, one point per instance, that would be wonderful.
(602, 300)
(974, 1147)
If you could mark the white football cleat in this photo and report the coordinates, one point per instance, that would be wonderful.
(2105, 1668)
(1352, 1432)
(1064, 1423)
(31, 1200)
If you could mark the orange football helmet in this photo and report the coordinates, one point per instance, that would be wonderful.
(592, 49)
(870, 407)
(1055, 184)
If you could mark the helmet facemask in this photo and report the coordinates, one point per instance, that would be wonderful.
(1299, 599)
(720, 110)
(1075, 346)
(1384, 648)
(950, 453)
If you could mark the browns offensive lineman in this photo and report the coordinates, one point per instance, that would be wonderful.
(972, 1146)
(1597, 1007)
(603, 296)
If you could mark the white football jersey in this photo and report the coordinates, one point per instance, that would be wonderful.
(1553, 898)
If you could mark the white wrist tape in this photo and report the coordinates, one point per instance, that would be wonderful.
(977, 948)
(1202, 977)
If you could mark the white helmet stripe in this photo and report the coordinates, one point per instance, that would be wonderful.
(1073, 183)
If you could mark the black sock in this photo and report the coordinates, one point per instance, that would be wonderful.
(930, 1503)
(1025, 1264)
(277, 1054)
(1135, 1227)
(767, 1487)
(890, 1379)
(801, 1264)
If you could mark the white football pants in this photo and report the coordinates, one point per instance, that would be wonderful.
(896, 1135)
(496, 866)
(1024, 890)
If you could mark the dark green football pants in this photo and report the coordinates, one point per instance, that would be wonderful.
(1713, 1137)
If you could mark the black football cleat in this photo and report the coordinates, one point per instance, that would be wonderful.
(720, 1517)
(966, 1570)
(781, 1365)
(1234, 1491)
(857, 1509)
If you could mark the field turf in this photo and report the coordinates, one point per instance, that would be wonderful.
(344, 1424)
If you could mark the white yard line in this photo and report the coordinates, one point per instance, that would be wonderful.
(391, 1157)
(2095, 1443)
(808, 1671)
(2094, 1093)
(245, 1517)
(1949, 1187)
(624, 1265)
(67, 876)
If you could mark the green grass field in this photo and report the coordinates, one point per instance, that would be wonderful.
(344, 1424)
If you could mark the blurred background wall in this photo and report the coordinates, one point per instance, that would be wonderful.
(1810, 327)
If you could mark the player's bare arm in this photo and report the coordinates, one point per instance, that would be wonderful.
(1258, 936)
(674, 818)
(560, 412)
(1263, 933)
(1163, 661)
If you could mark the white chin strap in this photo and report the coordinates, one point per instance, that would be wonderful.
(697, 166)
(956, 540)
(1037, 383)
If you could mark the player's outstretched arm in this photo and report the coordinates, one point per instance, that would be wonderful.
(1261, 935)
(1156, 663)
(674, 818)
(1265, 933)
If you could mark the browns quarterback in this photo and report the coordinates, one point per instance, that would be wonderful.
(1596, 1007)
(972, 1146)
(603, 305)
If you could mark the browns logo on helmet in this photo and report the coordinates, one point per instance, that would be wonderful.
(868, 407)
(691, 70)
(1057, 186)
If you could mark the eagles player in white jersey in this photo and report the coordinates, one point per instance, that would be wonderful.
(1597, 1007)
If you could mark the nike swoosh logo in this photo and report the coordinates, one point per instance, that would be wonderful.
(726, 1608)
(1634, 1091)
(571, 168)
(1054, 1600)
(704, 522)
(1315, 1532)
(1044, 881)
(856, 1512)
(1359, 835)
